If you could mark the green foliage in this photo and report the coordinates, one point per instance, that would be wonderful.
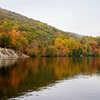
(5, 40)
(51, 52)
(31, 52)
(39, 39)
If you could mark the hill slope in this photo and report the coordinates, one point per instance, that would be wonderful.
(33, 25)
(39, 39)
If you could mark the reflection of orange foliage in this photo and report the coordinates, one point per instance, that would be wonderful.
(94, 63)
(35, 64)
(45, 69)
(14, 77)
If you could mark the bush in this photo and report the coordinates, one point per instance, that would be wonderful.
(31, 53)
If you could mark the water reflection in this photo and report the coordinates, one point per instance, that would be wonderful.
(34, 73)
(7, 62)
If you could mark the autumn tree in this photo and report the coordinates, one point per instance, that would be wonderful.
(5, 40)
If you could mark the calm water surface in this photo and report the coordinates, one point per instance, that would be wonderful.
(50, 79)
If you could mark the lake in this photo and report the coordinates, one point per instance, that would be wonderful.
(50, 79)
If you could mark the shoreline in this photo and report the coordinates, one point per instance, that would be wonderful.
(6, 53)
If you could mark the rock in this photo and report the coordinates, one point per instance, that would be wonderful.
(10, 54)
(24, 56)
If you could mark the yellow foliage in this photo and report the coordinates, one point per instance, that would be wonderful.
(13, 35)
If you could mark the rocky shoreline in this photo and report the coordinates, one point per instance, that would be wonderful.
(10, 54)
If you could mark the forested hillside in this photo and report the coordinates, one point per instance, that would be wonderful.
(35, 38)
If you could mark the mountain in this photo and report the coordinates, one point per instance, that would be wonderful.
(35, 38)
(35, 25)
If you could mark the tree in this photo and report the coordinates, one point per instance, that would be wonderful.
(5, 40)
(13, 35)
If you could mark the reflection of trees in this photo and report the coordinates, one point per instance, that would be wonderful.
(32, 74)
(7, 62)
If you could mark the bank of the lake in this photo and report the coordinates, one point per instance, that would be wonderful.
(6, 53)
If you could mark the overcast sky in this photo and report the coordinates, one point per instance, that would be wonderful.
(79, 16)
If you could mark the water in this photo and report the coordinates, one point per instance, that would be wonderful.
(50, 79)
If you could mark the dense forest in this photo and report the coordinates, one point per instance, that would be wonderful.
(34, 38)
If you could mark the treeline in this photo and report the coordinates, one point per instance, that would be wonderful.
(38, 39)
(11, 36)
